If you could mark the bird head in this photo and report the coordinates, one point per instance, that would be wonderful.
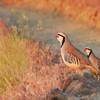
(88, 51)
(61, 37)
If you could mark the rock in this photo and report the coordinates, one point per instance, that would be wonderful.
(56, 94)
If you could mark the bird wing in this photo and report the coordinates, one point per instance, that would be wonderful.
(70, 58)
(82, 58)
(99, 63)
(77, 54)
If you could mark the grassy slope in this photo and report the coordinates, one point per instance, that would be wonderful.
(13, 60)
(46, 72)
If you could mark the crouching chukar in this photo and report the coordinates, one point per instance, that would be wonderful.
(71, 56)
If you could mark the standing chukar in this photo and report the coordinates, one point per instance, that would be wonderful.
(71, 56)
(95, 61)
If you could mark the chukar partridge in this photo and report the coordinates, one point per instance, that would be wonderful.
(95, 61)
(71, 56)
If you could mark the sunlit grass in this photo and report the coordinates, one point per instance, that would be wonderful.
(13, 61)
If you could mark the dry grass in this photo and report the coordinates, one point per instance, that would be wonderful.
(42, 54)
(40, 76)
(45, 74)
(13, 61)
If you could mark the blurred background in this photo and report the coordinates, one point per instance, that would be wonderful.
(41, 19)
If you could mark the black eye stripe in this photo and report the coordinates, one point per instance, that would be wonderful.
(63, 39)
(61, 35)
(90, 53)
